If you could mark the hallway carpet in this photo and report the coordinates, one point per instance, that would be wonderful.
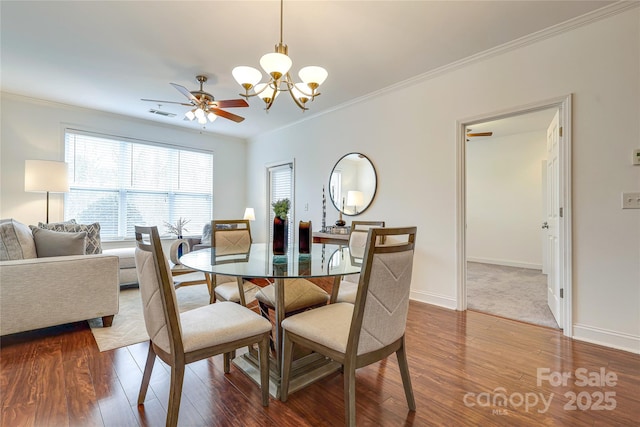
(511, 292)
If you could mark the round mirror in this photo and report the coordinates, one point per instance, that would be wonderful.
(352, 184)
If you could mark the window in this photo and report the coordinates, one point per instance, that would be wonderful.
(121, 183)
(281, 187)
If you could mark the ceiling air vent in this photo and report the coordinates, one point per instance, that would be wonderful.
(161, 113)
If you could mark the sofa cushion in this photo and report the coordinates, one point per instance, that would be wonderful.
(93, 243)
(126, 256)
(16, 241)
(51, 243)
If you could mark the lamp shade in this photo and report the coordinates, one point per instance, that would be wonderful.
(46, 176)
(267, 93)
(249, 214)
(355, 198)
(246, 75)
(276, 64)
(313, 74)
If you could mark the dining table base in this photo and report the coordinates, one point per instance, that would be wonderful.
(304, 370)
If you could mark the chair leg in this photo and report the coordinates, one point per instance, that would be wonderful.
(264, 311)
(263, 348)
(212, 293)
(148, 367)
(227, 362)
(401, 354)
(350, 394)
(175, 393)
(287, 357)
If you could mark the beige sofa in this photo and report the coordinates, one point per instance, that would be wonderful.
(37, 292)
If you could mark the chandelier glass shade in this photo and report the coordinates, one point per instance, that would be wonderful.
(277, 65)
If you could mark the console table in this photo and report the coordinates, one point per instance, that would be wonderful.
(330, 238)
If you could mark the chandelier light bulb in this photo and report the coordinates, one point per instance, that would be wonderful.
(247, 77)
(199, 113)
(313, 76)
(267, 93)
(189, 115)
(299, 92)
(276, 64)
(211, 116)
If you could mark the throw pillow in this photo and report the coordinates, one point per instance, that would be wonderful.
(93, 233)
(16, 241)
(51, 243)
(205, 239)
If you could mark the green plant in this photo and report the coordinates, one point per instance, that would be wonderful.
(281, 208)
(178, 228)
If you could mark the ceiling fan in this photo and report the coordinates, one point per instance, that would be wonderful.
(204, 106)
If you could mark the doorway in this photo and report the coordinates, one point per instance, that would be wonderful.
(504, 203)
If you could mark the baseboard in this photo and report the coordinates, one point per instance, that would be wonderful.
(434, 299)
(506, 263)
(607, 338)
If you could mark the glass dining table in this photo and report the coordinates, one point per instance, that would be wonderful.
(324, 260)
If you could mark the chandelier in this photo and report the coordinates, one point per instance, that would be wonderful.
(277, 66)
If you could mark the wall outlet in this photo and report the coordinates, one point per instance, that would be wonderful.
(630, 200)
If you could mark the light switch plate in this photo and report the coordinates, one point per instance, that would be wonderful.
(636, 157)
(630, 200)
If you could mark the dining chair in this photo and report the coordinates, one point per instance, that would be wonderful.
(371, 329)
(232, 237)
(185, 276)
(348, 286)
(181, 338)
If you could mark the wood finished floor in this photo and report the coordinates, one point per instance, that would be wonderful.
(58, 377)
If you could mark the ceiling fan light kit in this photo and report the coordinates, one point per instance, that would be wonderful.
(277, 66)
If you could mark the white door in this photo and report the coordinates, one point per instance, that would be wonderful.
(551, 225)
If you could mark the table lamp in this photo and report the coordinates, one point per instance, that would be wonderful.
(355, 198)
(249, 214)
(45, 176)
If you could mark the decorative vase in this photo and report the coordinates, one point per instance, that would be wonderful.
(179, 247)
(304, 237)
(280, 236)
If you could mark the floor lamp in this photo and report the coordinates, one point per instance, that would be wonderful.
(45, 176)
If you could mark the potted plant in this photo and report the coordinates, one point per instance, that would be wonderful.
(280, 226)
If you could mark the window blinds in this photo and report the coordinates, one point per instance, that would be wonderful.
(121, 183)
(281, 187)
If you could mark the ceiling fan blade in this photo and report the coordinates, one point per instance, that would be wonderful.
(183, 90)
(227, 115)
(229, 103)
(480, 134)
(166, 102)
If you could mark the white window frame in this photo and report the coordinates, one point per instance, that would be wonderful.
(123, 188)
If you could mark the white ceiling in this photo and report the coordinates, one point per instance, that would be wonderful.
(107, 55)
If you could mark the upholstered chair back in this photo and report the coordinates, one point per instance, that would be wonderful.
(149, 265)
(358, 242)
(231, 237)
(383, 292)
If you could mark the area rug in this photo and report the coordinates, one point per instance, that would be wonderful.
(511, 292)
(128, 325)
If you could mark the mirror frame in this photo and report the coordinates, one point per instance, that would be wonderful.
(375, 186)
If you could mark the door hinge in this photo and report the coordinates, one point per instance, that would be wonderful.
(561, 292)
(561, 212)
(560, 130)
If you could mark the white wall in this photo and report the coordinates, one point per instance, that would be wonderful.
(504, 199)
(413, 147)
(33, 129)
